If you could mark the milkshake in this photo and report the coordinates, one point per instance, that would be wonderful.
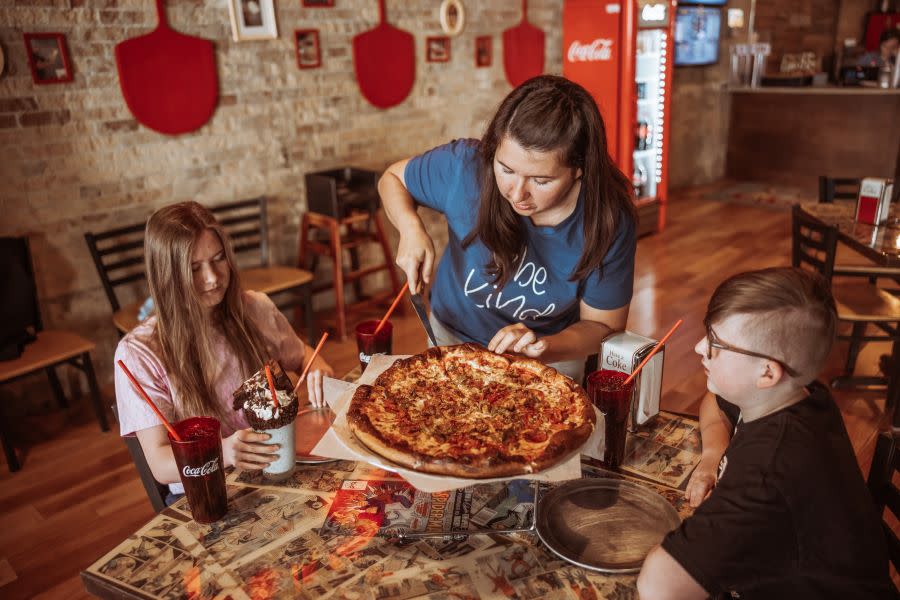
(255, 398)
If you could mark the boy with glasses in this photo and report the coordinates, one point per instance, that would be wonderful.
(790, 515)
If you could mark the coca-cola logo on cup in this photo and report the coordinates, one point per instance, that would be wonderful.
(599, 49)
(210, 467)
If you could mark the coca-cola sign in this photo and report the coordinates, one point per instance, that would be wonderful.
(210, 467)
(598, 50)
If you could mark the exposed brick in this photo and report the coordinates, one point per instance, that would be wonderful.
(124, 125)
(37, 119)
(17, 104)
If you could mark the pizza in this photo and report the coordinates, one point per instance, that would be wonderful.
(467, 412)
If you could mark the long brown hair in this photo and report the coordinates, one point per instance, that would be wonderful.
(551, 114)
(184, 331)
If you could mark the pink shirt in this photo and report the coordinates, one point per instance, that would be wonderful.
(139, 352)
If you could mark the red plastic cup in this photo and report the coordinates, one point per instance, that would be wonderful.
(200, 465)
(370, 344)
(608, 392)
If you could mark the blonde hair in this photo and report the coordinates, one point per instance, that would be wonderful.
(793, 316)
(184, 331)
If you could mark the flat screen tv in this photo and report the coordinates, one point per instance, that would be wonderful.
(697, 30)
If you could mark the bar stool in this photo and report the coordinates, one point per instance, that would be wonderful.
(343, 207)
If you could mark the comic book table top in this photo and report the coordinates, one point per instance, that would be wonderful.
(319, 535)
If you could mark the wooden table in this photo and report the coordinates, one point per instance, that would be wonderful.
(292, 540)
(880, 244)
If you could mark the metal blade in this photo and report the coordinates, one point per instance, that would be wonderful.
(419, 304)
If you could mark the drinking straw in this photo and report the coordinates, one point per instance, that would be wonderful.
(391, 309)
(271, 386)
(312, 358)
(140, 389)
(654, 351)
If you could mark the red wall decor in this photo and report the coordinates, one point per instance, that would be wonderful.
(384, 59)
(309, 53)
(484, 51)
(168, 79)
(437, 49)
(48, 58)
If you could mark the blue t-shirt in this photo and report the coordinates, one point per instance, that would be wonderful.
(540, 294)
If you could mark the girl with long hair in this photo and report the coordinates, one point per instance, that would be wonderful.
(541, 224)
(206, 338)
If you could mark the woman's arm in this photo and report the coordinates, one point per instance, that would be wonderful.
(715, 434)
(415, 252)
(243, 449)
(578, 340)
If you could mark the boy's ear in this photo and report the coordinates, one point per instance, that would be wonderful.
(771, 375)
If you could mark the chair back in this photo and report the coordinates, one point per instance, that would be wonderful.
(156, 491)
(118, 254)
(118, 257)
(246, 223)
(886, 495)
(814, 244)
(838, 188)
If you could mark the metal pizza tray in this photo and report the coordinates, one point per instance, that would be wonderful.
(606, 525)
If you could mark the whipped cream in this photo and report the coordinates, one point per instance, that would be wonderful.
(263, 407)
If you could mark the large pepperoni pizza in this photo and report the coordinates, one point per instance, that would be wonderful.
(467, 412)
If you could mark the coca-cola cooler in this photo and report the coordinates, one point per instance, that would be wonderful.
(621, 52)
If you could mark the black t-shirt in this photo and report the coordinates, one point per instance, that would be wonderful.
(791, 516)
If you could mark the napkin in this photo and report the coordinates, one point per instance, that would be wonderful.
(339, 441)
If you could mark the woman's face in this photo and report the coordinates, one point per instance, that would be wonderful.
(210, 269)
(536, 184)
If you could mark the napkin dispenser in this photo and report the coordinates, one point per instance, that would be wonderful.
(623, 352)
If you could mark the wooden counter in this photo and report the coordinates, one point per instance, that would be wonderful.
(793, 135)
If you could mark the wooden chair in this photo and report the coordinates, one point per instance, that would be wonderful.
(850, 262)
(860, 304)
(343, 208)
(51, 349)
(838, 188)
(118, 255)
(156, 491)
(885, 464)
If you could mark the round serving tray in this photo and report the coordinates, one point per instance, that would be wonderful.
(606, 525)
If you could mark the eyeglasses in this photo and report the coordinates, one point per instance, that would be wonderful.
(713, 341)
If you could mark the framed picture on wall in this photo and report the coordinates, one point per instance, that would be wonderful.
(437, 49)
(252, 20)
(309, 54)
(48, 57)
(318, 3)
(484, 50)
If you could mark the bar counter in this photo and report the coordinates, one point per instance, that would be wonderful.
(792, 135)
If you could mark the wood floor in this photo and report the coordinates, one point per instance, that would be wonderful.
(78, 493)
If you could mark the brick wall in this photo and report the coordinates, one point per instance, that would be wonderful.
(797, 26)
(75, 160)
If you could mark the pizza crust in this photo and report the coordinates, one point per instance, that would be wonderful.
(443, 364)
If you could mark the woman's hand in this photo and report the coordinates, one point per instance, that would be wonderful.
(415, 255)
(315, 379)
(245, 449)
(518, 339)
(702, 482)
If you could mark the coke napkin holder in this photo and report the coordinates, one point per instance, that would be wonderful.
(623, 352)
(873, 204)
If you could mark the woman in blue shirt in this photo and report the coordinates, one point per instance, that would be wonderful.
(540, 258)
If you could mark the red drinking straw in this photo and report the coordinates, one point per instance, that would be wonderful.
(140, 389)
(271, 386)
(391, 309)
(311, 359)
(652, 352)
